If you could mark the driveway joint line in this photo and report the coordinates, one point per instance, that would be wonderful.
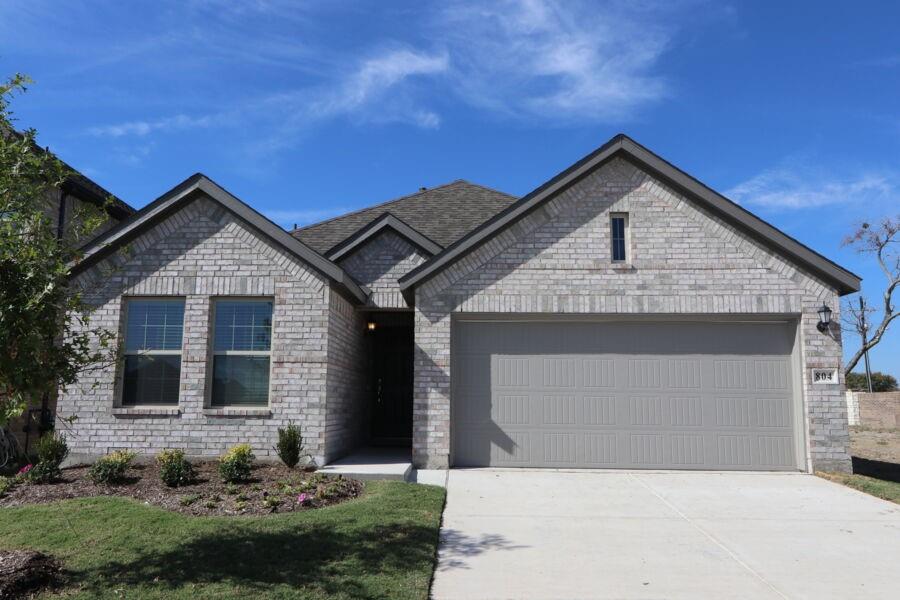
(710, 537)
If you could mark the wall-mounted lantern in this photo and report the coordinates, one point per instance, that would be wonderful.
(824, 318)
(371, 325)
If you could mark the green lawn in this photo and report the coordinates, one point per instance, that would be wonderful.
(887, 490)
(381, 545)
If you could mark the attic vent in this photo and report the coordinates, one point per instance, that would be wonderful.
(422, 189)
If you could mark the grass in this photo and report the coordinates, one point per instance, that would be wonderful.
(887, 490)
(381, 545)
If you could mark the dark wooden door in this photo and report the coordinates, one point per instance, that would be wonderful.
(393, 385)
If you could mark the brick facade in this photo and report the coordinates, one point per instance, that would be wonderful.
(199, 253)
(379, 263)
(685, 261)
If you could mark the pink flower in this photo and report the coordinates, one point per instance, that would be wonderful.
(302, 499)
(25, 469)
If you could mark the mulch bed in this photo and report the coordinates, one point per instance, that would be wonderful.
(25, 572)
(272, 488)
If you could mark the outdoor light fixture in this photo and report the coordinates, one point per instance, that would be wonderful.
(371, 325)
(824, 318)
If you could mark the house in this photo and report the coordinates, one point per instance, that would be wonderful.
(622, 314)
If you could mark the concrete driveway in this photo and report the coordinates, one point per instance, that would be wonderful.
(553, 534)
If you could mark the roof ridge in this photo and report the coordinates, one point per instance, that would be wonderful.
(386, 202)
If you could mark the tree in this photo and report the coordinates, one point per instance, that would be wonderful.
(880, 240)
(46, 340)
(881, 382)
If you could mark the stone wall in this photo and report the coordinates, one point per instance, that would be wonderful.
(684, 261)
(199, 253)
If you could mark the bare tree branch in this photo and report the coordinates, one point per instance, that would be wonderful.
(881, 241)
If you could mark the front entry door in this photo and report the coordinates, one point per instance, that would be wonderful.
(392, 385)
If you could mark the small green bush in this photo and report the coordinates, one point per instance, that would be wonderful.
(111, 468)
(189, 499)
(52, 450)
(6, 485)
(290, 445)
(174, 469)
(235, 465)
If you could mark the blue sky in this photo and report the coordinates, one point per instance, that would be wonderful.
(306, 110)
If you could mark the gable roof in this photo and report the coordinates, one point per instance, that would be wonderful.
(621, 145)
(188, 190)
(443, 214)
(385, 221)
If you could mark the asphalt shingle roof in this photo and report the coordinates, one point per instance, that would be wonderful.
(444, 214)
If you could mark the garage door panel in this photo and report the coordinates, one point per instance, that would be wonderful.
(559, 395)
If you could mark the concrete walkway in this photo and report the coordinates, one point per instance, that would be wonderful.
(555, 535)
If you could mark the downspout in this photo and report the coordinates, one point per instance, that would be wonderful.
(61, 219)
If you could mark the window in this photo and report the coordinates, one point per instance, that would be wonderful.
(619, 233)
(242, 340)
(153, 331)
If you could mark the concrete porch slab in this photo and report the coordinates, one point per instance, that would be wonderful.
(373, 463)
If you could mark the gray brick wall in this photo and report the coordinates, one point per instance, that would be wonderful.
(199, 253)
(345, 404)
(684, 261)
(380, 263)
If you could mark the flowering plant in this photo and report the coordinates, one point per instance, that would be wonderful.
(24, 470)
(303, 499)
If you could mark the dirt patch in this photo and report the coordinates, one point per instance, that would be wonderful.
(25, 572)
(875, 444)
(272, 488)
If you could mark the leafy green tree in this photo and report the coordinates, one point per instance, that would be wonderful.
(881, 382)
(46, 339)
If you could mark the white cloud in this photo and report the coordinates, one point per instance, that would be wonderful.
(372, 80)
(143, 128)
(557, 60)
(371, 91)
(801, 187)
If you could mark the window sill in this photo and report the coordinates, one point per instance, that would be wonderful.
(623, 266)
(142, 411)
(234, 411)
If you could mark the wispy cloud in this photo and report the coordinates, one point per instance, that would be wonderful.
(542, 61)
(373, 90)
(557, 60)
(142, 128)
(376, 76)
(802, 187)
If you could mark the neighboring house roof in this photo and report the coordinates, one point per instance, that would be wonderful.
(443, 214)
(621, 145)
(385, 221)
(184, 193)
(82, 186)
(88, 190)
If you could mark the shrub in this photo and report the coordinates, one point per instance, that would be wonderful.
(189, 499)
(174, 469)
(290, 445)
(111, 468)
(235, 465)
(6, 485)
(52, 450)
(881, 382)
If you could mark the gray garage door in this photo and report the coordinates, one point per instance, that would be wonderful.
(623, 395)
